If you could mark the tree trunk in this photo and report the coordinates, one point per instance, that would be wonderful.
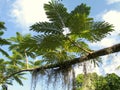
(101, 52)
(26, 59)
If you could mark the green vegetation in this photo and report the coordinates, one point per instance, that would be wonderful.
(61, 44)
(96, 82)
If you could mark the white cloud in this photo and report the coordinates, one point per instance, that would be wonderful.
(112, 1)
(107, 42)
(27, 12)
(113, 17)
(110, 63)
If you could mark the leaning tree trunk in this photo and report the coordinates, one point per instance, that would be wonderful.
(101, 52)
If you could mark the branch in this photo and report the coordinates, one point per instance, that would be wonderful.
(76, 44)
(101, 52)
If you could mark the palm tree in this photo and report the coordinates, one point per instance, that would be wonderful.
(16, 45)
(81, 28)
(14, 62)
(67, 32)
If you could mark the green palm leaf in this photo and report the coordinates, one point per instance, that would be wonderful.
(18, 80)
(2, 27)
(51, 38)
(81, 9)
(48, 42)
(4, 52)
(18, 46)
(46, 27)
(84, 27)
(78, 23)
(56, 13)
(4, 41)
(99, 30)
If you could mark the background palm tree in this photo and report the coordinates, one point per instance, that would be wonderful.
(16, 46)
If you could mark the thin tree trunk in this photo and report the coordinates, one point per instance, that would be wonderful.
(26, 59)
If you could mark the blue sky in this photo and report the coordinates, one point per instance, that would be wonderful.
(20, 14)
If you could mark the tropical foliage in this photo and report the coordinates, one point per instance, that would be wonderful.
(3, 41)
(63, 38)
(97, 82)
(66, 34)
(7, 67)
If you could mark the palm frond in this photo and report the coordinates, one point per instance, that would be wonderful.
(46, 27)
(41, 44)
(4, 41)
(19, 37)
(56, 56)
(56, 13)
(79, 23)
(13, 47)
(81, 9)
(84, 27)
(28, 45)
(17, 44)
(18, 80)
(48, 42)
(4, 52)
(2, 27)
(88, 29)
(100, 30)
(97, 31)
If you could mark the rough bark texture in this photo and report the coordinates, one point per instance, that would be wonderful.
(101, 52)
